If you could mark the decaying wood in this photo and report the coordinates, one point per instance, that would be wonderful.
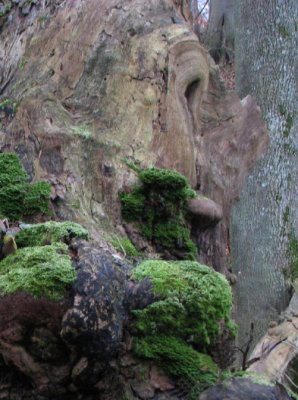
(275, 351)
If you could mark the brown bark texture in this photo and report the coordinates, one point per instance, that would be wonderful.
(90, 84)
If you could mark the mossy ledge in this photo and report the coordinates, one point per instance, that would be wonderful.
(44, 271)
(41, 266)
(195, 371)
(18, 197)
(50, 232)
(158, 206)
(193, 300)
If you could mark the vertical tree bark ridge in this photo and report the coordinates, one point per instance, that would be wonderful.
(266, 43)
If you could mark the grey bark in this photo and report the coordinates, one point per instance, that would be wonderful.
(221, 27)
(266, 68)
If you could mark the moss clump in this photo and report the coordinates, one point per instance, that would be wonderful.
(193, 300)
(18, 198)
(165, 179)
(50, 232)
(41, 271)
(293, 255)
(36, 198)
(179, 360)
(170, 234)
(124, 246)
(132, 205)
(11, 201)
(158, 206)
(11, 171)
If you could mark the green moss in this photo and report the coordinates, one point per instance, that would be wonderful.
(82, 131)
(193, 299)
(36, 199)
(257, 378)
(132, 165)
(260, 379)
(282, 109)
(50, 232)
(9, 103)
(289, 149)
(293, 255)
(18, 198)
(293, 395)
(178, 359)
(22, 64)
(44, 18)
(163, 178)
(11, 171)
(171, 235)
(5, 8)
(289, 120)
(132, 205)
(11, 200)
(158, 206)
(41, 271)
(289, 125)
(286, 215)
(124, 246)
(282, 30)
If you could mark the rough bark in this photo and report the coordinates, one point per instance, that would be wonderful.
(81, 346)
(267, 211)
(138, 89)
(221, 29)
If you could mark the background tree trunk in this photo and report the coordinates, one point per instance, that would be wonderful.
(194, 7)
(220, 32)
(267, 213)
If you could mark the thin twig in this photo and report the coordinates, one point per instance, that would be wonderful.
(292, 383)
(202, 9)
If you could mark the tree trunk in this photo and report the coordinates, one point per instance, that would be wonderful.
(194, 7)
(220, 33)
(267, 213)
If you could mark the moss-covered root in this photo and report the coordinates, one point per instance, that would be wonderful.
(194, 370)
(194, 300)
(44, 271)
(50, 232)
